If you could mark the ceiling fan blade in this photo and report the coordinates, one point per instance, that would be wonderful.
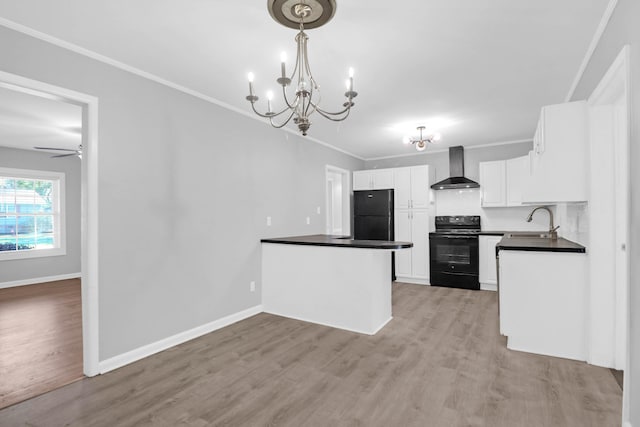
(65, 155)
(56, 149)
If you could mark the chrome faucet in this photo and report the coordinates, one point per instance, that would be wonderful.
(553, 234)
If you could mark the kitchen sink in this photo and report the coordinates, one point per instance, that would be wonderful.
(530, 234)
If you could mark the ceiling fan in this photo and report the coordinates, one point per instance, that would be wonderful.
(77, 152)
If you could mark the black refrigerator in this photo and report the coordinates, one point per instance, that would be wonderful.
(373, 217)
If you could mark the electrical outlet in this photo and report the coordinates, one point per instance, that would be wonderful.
(308, 220)
(252, 286)
(268, 221)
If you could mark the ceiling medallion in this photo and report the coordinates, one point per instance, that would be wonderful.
(304, 101)
(421, 143)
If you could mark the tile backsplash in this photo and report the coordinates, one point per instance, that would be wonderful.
(572, 218)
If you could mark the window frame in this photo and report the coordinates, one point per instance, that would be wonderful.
(58, 213)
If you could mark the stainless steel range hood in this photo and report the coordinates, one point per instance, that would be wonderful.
(456, 172)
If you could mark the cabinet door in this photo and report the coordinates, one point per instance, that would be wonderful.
(420, 187)
(403, 234)
(488, 271)
(420, 239)
(361, 180)
(517, 172)
(402, 187)
(559, 167)
(538, 137)
(492, 183)
(382, 179)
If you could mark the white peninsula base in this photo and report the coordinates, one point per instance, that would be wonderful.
(343, 287)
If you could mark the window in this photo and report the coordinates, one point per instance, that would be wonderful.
(31, 214)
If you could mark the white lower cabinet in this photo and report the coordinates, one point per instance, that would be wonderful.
(488, 268)
(542, 302)
(412, 265)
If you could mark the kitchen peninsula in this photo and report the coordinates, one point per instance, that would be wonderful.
(330, 280)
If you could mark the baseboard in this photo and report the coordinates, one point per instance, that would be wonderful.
(331, 324)
(37, 280)
(158, 346)
(627, 424)
(488, 287)
(412, 280)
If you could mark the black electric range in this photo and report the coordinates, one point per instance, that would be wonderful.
(453, 250)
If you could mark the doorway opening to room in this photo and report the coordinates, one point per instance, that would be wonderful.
(338, 206)
(48, 231)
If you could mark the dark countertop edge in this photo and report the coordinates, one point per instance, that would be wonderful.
(539, 245)
(338, 242)
(502, 232)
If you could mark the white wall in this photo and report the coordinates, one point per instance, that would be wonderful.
(467, 202)
(185, 187)
(23, 270)
(623, 29)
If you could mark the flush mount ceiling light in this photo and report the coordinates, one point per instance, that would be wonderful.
(421, 143)
(305, 100)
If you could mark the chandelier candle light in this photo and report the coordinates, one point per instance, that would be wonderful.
(421, 143)
(306, 98)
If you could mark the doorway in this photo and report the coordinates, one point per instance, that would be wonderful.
(338, 211)
(89, 203)
(609, 209)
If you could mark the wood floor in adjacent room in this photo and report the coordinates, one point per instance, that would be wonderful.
(40, 339)
(439, 362)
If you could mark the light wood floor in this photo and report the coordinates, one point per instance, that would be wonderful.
(40, 339)
(439, 362)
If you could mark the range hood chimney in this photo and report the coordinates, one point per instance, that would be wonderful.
(456, 172)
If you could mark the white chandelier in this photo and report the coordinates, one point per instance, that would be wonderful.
(422, 141)
(305, 101)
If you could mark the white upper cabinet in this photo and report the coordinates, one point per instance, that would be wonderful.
(559, 157)
(373, 179)
(411, 187)
(493, 183)
(402, 188)
(517, 174)
(502, 181)
(420, 187)
(361, 180)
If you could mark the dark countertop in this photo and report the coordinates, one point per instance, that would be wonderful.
(539, 245)
(338, 241)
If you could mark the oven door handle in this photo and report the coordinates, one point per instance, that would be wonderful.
(448, 273)
(455, 237)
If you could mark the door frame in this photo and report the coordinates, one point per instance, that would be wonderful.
(610, 102)
(89, 204)
(346, 198)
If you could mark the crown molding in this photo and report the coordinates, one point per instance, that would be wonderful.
(445, 150)
(604, 21)
(149, 76)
